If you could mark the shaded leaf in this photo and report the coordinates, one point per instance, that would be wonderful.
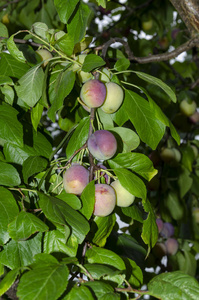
(9, 175)
(104, 228)
(14, 51)
(65, 9)
(33, 165)
(10, 66)
(88, 200)
(91, 62)
(8, 280)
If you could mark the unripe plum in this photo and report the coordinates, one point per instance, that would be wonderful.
(105, 75)
(188, 108)
(114, 98)
(194, 118)
(75, 179)
(147, 24)
(102, 144)
(93, 93)
(167, 230)
(83, 76)
(123, 197)
(44, 56)
(170, 155)
(160, 224)
(195, 213)
(171, 246)
(105, 200)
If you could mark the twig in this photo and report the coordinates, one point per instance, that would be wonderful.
(21, 41)
(8, 3)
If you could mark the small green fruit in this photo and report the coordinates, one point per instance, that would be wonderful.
(44, 55)
(188, 108)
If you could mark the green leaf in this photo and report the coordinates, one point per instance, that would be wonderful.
(104, 256)
(174, 285)
(40, 29)
(13, 49)
(11, 129)
(79, 292)
(5, 80)
(133, 273)
(30, 86)
(130, 140)
(102, 3)
(173, 205)
(148, 127)
(33, 165)
(36, 114)
(88, 200)
(98, 270)
(70, 199)
(91, 62)
(184, 181)
(79, 137)
(136, 162)
(158, 82)
(102, 290)
(9, 211)
(149, 230)
(19, 254)
(63, 86)
(8, 280)
(24, 225)
(132, 183)
(59, 212)
(3, 30)
(133, 212)
(45, 282)
(122, 64)
(104, 227)
(9, 175)
(10, 66)
(65, 9)
(66, 44)
(8, 93)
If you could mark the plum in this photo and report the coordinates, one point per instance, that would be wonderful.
(188, 107)
(75, 179)
(171, 246)
(44, 56)
(114, 98)
(93, 93)
(105, 200)
(102, 144)
(160, 224)
(159, 250)
(123, 197)
(83, 76)
(167, 230)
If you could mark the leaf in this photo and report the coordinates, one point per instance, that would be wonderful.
(122, 64)
(79, 137)
(9, 211)
(88, 200)
(66, 44)
(173, 205)
(104, 228)
(102, 3)
(79, 292)
(5, 80)
(184, 182)
(30, 86)
(19, 254)
(149, 230)
(174, 285)
(45, 282)
(148, 127)
(104, 256)
(24, 225)
(14, 51)
(102, 290)
(36, 114)
(8, 280)
(10, 66)
(129, 138)
(65, 9)
(9, 175)
(158, 82)
(40, 29)
(59, 212)
(133, 212)
(3, 31)
(132, 183)
(98, 270)
(8, 93)
(11, 129)
(91, 62)
(136, 162)
(70, 199)
(33, 165)
(133, 273)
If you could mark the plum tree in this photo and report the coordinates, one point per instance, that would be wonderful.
(44, 56)
(123, 197)
(102, 144)
(75, 179)
(93, 93)
(170, 155)
(171, 246)
(105, 200)
(188, 107)
(114, 98)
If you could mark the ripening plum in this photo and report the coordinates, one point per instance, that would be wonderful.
(167, 230)
(75, 179)
(171, 246)
(160, 224)
(93, 93)
(44, 55)
(102, 144)
(123, 197)
(159, 250)
(105, 200)
(114, 98)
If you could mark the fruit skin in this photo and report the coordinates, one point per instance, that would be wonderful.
(187, 108)
(102, 144)
(159, 250)
(195, 214)
(114, 98)
(75, 179)
(171, 246)
(194, 118)
(105, 200)
(167, 230)
(123, 197)
(93, 93)
(170, 155)
(147, 25)
(105, 75)
(44, 55)
(160, 224)
(83, 76)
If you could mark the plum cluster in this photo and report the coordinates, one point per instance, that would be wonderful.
(168, 244)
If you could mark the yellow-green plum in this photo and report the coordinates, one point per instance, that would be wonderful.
(195, 213)
(123, 197)
(93, 93)
(114, 98)
(188, 107)
(105, 75)
(171, 246)
(75, 179)
(105, 200)
(147, 24)
(83, 76)
(170, 155)
(102, 144)
(44, 55)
